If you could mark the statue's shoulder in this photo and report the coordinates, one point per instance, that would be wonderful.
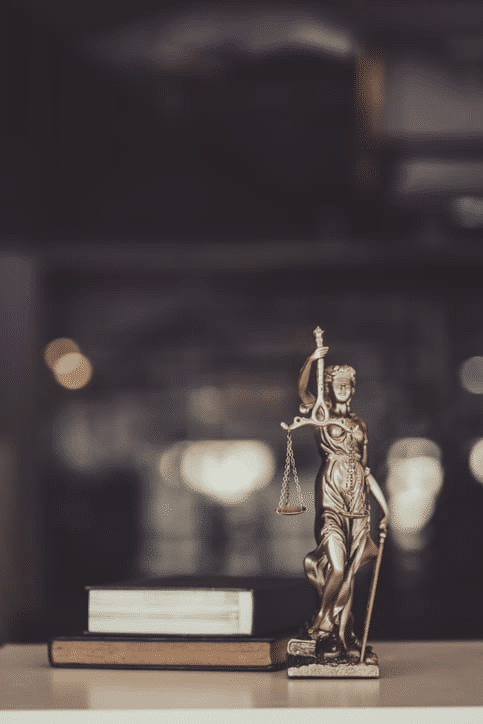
(358, 421)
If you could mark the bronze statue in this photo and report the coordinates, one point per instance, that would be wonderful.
(342, 522)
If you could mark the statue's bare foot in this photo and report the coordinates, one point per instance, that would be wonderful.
(352, 645)
(328, 645)
(370, 657)
(320, 628)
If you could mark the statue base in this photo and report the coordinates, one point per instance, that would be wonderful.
(305, 661)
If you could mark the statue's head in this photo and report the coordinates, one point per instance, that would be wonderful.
(339, 383)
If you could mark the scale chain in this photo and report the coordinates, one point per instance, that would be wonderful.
(290, 468)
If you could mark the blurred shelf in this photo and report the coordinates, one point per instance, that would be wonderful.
(112, 258)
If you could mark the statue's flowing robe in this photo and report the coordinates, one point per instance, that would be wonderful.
(342, 501)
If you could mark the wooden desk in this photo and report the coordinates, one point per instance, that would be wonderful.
(417, 679)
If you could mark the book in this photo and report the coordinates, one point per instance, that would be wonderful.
(193, 606)
(169, 652)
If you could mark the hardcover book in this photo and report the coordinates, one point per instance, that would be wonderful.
(194, 606)
(169, 652)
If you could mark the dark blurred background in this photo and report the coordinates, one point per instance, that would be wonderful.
(186, 191)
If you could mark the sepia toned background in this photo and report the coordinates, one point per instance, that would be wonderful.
(186, 191)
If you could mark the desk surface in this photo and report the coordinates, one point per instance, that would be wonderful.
(413, 674)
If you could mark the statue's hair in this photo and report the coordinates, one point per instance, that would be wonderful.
(334, 371)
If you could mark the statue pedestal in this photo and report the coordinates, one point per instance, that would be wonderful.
(304, 662)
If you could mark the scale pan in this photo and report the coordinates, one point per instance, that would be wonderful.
(290, 509)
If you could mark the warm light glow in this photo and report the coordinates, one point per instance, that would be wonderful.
(169, 463)
(68, 363)
(414, 481)
(72, 370)
(471, 375)
(411, 512)
(469, 211)
(57, 348)
(412, 447)
(476, 460)
(227, 470)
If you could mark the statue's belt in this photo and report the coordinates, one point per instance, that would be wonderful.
(347, 514)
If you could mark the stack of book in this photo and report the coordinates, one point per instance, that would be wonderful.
(189, 623)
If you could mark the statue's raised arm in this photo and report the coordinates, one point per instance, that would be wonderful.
(310, 403)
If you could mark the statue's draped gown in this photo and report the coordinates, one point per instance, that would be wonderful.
(342, 505)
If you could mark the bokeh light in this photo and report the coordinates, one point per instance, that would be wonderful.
(476, 460)
(468, 211)
(169, 464)
(415, 478)
(471, 375)
(73, 371)
(57, 348)
(227, 470)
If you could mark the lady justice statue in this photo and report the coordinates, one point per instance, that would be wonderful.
(342, 523)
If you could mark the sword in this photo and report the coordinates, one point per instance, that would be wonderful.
(372, 594)
(320, 405)
(319, 412)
